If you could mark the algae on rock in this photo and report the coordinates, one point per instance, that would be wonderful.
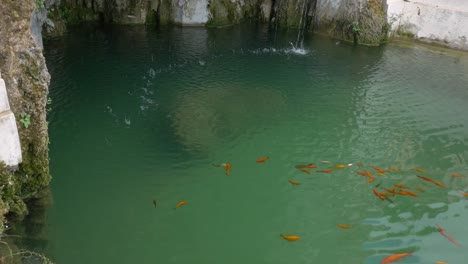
(24, 70)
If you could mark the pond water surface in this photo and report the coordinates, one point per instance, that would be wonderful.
(141, 114)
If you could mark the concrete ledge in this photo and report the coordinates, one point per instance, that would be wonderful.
(440, 21)
(10, 148)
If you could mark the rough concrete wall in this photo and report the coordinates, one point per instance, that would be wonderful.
(24, 71)
(228, 12)
(439, 21)
(361, 21)
(191, 12)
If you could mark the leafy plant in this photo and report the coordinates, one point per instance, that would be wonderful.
(355, 27)
(39, 5)
(25, 119)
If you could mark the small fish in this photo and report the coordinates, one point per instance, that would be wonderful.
(308, 166)
(441, 262)
(463, 193)
(325, 161)
(155, 203)
(457, 175)
(451, 239)
(290, 238)
(180, 204)
(395, 257)
(407, 193)
(419, 189)
(263, 159)
(418, 170)
(325, 171)
(400, 185)
(370, 179)
(380, 174)
(388, 199)
(360, 164)
(378, 169)
(390, 190)
(344, 226)
(431, 180)
(306, 171)
(294, 182)
(226, 166)
(362, 173)
(381, 197)
(394, 169)
(340, 166)
(368, 173)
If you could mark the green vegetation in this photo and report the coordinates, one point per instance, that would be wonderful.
(355, 27)
(25, 119)
(39, 5)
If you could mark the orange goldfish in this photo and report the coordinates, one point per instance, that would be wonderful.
(407, 193)
(305, 170)
(360, 164)
(368, 173)
(380, 174)
(457, 175)
(442, 232)
(431, 180)
(441, 262)
(344, 226)
(418, 170)
(381, 196)
(226, 166)
(290, 238)
(378, 169)
(394, 257)
(340, 166)
(419, 189)
(361, 173)
(263, 159)
(399, 185)
(180, 204)
(390, 190)
(370, 179)
(393, 169)
(325, 171)
(463, 193)
(308, 166)
(294, 182)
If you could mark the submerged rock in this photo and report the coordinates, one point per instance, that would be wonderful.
(203, 119)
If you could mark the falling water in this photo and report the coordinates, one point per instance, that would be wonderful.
(299, 47)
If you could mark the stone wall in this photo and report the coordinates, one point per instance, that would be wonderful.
(434, 21)
(26, 79)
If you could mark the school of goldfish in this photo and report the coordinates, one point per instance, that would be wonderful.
(394, 190)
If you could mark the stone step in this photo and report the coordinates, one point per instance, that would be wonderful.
(10, 148)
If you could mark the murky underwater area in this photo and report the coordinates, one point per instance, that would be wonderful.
(141, 114)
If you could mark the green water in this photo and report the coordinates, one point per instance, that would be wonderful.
(141, 114)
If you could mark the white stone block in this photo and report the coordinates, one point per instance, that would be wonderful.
(4, 105)
(10, 148)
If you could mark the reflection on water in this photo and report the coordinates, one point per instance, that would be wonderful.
(141, 114)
